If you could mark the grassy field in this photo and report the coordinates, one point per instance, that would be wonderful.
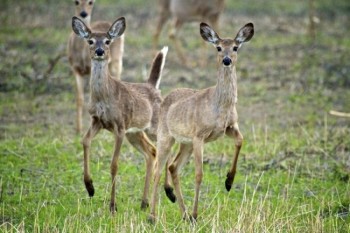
(294, 170)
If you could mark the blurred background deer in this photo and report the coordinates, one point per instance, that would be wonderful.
(183, 11)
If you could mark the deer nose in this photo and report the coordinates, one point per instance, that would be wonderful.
(99, 52)
(227, 61)
(83, 14)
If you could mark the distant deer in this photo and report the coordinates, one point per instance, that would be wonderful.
(183, 11)
(79, 58)
(124, 109)
(195, 117)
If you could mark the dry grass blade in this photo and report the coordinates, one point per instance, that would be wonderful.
(339, 114)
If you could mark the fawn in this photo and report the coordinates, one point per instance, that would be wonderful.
(79, 58)
(183, 11)
(125, 109)
(195, 117)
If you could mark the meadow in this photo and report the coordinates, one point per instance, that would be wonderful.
(294, 167)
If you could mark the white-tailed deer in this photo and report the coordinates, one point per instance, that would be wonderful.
(195, 117)
(125, 109)
(79, 56)
(182, 11)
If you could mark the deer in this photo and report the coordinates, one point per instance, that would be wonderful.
(79, 59)
(124, 109)
(183, 11)
(195, 117)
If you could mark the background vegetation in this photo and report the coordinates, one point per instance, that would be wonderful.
(293, 173)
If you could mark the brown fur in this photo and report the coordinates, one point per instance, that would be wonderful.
(125, 109)
(79, 58)
(195, 117)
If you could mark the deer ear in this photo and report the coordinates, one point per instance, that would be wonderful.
(245, 33)
(208, 34)
(80, 28)
(117, 29)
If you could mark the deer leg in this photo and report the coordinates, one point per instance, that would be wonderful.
(173, 36)
(119, 135)
(236, 134)
(90, 134)
(163, 148)
(169, 191)
(141, 142)
(214, 21)
(163, 18)
(79, 101)
(116, 64)
(198, 162)
(180, 159)
(184, 152)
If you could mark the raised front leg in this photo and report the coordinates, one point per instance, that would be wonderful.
(90, 134)
(141, 142)
(119, 135)
(236, 134)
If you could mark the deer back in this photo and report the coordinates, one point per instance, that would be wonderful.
(146, 106)
(186, 10)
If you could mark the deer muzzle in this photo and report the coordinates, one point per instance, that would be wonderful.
(227, 61)
(99, 52)
(83, 14)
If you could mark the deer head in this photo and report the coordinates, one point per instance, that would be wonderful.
(99, 42)
(83, 9)
(227, 48)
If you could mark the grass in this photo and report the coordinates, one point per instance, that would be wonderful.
(294, 168)
(42, 190)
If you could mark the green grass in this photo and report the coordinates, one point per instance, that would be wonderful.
(42, 188)
(294, 168)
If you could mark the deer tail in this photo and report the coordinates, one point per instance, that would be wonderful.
(157, 67)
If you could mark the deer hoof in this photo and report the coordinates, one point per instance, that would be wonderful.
(90, 188)
(229, 181)
(144, 204)
(112, 208)
(170, 194)
(191, 218)
(151, 219)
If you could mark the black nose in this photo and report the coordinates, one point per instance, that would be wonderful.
(83, 14)
(99, 52)
(227, 61)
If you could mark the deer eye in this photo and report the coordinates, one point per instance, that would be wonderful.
(235, 48)
(219, 49)
(90, 2)
(77, 3)
(90, 42)
(107, 42)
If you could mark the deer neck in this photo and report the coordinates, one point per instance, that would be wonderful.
(225, 94)
(87, 20)
(100, 81)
